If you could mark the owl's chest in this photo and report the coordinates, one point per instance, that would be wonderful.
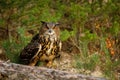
(48, 51)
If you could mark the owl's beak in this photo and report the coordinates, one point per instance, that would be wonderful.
(51, 32)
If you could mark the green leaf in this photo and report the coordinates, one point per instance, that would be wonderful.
(64, 35)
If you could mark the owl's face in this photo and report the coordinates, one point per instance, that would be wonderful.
(50, 30)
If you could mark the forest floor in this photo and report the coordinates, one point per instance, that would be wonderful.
(68, 63)
(65, 63)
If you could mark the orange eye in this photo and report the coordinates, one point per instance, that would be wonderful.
(46, 27)
(54, 27)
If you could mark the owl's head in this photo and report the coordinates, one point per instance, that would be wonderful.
(50, 30)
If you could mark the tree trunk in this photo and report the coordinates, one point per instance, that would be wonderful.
(12, 71)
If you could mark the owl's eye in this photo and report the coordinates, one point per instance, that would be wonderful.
(54, 27)
(46, 27)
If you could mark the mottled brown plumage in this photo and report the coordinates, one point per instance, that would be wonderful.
(44, 46)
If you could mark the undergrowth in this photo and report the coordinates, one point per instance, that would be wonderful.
(14, 46)
(92, 23)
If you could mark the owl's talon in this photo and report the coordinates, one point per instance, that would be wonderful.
(49, 64)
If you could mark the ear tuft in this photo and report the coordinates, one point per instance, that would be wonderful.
(43, 22)
(56, 24)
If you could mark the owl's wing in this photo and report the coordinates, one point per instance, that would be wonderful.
(36, 37)
(29, 52)
(59, 46)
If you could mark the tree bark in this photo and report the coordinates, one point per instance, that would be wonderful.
(12, 71)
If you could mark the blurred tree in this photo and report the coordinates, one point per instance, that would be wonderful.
(10, 12)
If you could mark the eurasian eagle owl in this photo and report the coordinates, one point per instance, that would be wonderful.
(44, 46)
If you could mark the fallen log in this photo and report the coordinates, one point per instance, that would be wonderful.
(12, 71)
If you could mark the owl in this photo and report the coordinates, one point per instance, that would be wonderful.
(44, 46)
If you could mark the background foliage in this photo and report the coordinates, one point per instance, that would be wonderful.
(92, 26)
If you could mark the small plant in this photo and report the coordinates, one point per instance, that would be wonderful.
(13, 47)
(87, 62)
(66, 34)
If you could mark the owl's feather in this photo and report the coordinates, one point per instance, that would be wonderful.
(29, 51)
(44, 46)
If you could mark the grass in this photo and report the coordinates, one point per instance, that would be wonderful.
(89, 61)
(13, 47)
